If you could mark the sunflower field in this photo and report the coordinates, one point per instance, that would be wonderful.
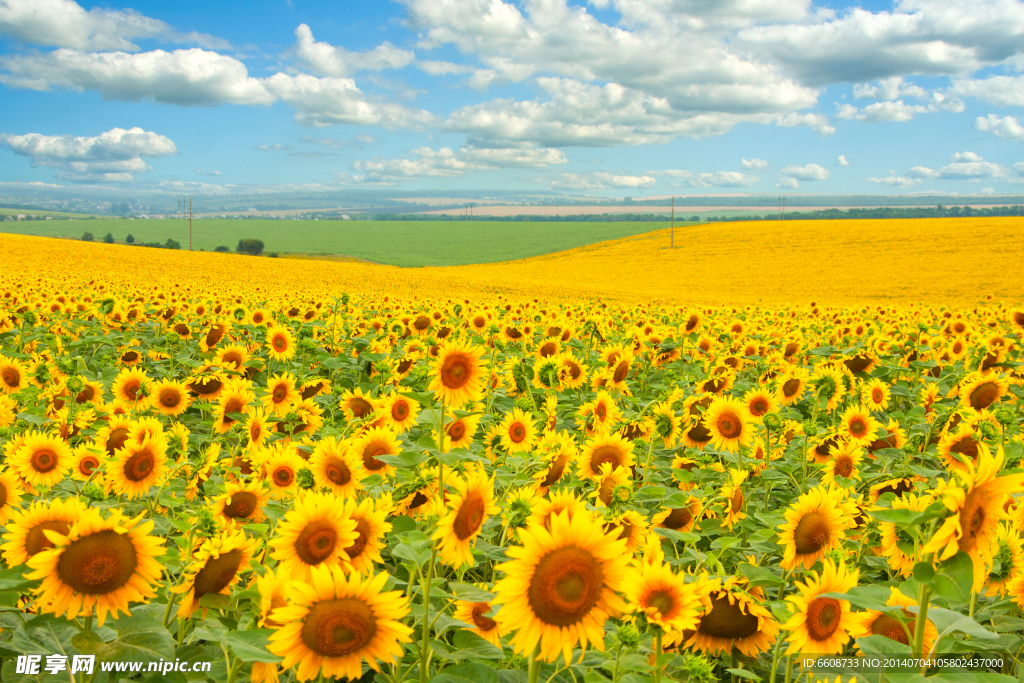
(293, 483)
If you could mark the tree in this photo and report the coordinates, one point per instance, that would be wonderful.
(222, 249)
(250, 246)
(129, 239)
(108, 238)
(172, 244)
(87, 237)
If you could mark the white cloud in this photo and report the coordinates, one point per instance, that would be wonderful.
(841, 161)
(64, 23)
(435, 68)
(327, 101)
(328, 60)
(964, 166)
(600, 181)
(808, 172)
(882, 111)
(1007, 127)
(754, 164)
(1019, 168)
(817, 122)
(184, 77)
(894, 180)
(1002, 91)
(888, 89)
(115, 155)
(276, 147)
(788, 183)
(448, 163)
(711, 179)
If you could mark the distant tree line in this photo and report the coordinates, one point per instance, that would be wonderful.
(582, 218)
(939, 211)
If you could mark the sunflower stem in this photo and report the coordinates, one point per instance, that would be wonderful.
(789, 668)
(657, 655)
(615, 670)
(775, 658)
(233, 671)
(650, 457)
(533, 672)
(167, 612)
(924, 594)
(425, 643)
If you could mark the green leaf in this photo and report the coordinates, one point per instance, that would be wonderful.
(469, 592)
(251, 646)
(880, 645)
(947, 621)
(141, 638)
(924, 572)
(866, 597)
(404, 460)
(402, 524)
(44, 635)
(215, 601)
(680, 536)
(760, 576)
(954, 577)
(743, 673)
(467, 673)
(414, 546)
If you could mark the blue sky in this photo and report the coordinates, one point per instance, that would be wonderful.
(608, 97)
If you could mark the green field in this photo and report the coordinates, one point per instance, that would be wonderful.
(41, 212)
(400, 243)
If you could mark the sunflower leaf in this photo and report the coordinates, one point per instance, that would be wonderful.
(251, 646)
(954, 578)
(866, 597)
(948, 622)
(743, 673)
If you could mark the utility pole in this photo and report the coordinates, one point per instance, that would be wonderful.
(672, 229)
(190, 224)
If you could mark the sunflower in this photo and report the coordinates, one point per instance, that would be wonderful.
(373, 442)
(545, 374)
(86, 459)
(728, 421)
(821, 624)
(91, 393)
(598, 416)
(280, 465)
(759, 402)
(844, 459)
(1010, 559)
(666, 423)
(257, 428)
(604, 448)
(129, 386)
(733, 619)
(475, 615)
(460, 432)
(814, 525)
(26, 528)
(630, 526)
(610, 481)
(42, 459)
(876, 394)
(468, 509)
(8, 411)
(308, 418)
(562, 585)
(170, 397)
(875, 623)
(208, 382)
(280, 393)
(564, 501)
(314, 533)
(679, 519)
(960, 449)
(113, 435)
(10, 496)
(357, 405)
(214, 569)
(858, 426)
(894, 437)
(335, 468)
(214, 335)
(235, 399)
(518, 432)
(235, 356)
(371, 528)
(665, 598)
(137, 466)
(280, 343)
(242, 501)
(100, 564)
(733, 496)
(791, 387)
(400, 412)
(456, 376)
(332, 624)
(977, 504)
(572, 374)
(13, 376)
(980, 391)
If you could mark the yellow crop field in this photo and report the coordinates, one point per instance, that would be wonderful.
(780, 453)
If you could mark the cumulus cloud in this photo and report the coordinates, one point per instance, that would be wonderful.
(819, 123)
(788, 183)
(754, 164)
(842, 160)
(888, 89)
(711, 179)
(64, 23)
(276, 147)
(437, 68)
(328, 101)
(808, 172)
(1007, 127)
(447, 163)
(115, 155)
(328, 60)
(894, 180)
(184, 77)
(1002, 91)
(964, 166)
(600, 180)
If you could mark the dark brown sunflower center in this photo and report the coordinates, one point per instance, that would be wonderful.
(12, 377)
(482, 622)
(972, 521)
(360, 407)
(984, 395)
(556, 470)
(966, 446)
(284, 476)
(517, 432)
(43, 460)
(87, 464)
(678, 518)
(241, 505)
(86, 395)
(547, 349)
(206, 387)
(736, 502)
(130, 356)
(400, 411)
(726, 620)
(730, 426)
(217, 573)
(421, 323)
(890, 627)
(790, 387)
(699, 433)
(812, 533)
(116, 439)
(605, 454)
(758, 407)
(316, 541)
(621, 370)
(470, 516)
(359, 545)
(99, 563)
(131, 389)
(843, 466)
(337, 471)
(369, 461)
(139, 466)
(858, 427)
(169, 398)
(566, 584)
(663, 601)
(36, 540)
(335, 628)
(280, 393)
(600, 412)
(455, 371)
(457, 430)
(823, 618)
(877, 395)
(280, 343)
